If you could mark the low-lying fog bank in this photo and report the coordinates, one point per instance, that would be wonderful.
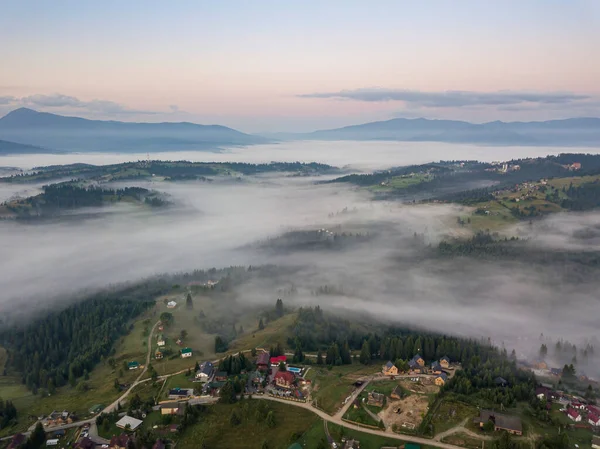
(358, 155)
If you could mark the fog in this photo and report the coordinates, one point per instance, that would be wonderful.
(358, 155)
(393, 275)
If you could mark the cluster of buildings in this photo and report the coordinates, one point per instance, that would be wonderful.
(580, 412)
(417, 366)
(58, 418)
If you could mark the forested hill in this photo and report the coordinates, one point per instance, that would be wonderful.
(65, 196)
(169, 170)
(65, 345)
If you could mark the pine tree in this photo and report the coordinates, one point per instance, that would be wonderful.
(365, 353)
(279, 308)
(261, 325)
(37, 437)
(319, 357)
(188, 301)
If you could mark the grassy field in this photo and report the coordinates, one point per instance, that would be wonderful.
(451, 413)
(215, 429)
(330, 388)
(314, 436)
(401, 182)
(360, 415)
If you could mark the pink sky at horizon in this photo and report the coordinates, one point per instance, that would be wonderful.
(245, 65)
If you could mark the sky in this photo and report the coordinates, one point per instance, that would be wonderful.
(269, 66)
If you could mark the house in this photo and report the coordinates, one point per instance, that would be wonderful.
(221, 376)
(445, 362)
(556, 372)
(389, 369)
(171, 305)
(593, 409)
(179, 342)
(205, 373)
(16, 441)
(52, 442)
(262, 362)
(375, 399)
(275, 361)
(129, 423)
(540, 364)
(544, 393)
(596, 442)
(510, 424)
(158, 354)
(578, 405)
(594, 419)
(441, 380)
(85, 443)
(171, 408)
(119, 442)
(284, 379)
(180, 393)
(500, 382)
(158, 445)
(160, 341)
(58, 418)
(133, 365)
(436, 368)
(574, 415)
(419, 360)
(58, 433)
(186, 352)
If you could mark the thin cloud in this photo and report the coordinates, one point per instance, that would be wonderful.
(7, 100)
(452, 99)
(66, 101)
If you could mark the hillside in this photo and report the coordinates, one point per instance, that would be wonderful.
(79, 134)
(581, 131)
(7, 147)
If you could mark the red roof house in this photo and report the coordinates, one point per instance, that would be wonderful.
(276, 360)
(284, 379)
(574, 415)
(594, 419)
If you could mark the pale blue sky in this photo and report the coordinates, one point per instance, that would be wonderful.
(257, 65)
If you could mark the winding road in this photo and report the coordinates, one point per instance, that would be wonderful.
(335, 419)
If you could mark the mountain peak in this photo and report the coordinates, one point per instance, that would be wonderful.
(21, 112)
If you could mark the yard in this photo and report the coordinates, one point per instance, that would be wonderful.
(450, 414)
(331, 387)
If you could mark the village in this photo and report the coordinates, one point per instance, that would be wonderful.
(392, 400)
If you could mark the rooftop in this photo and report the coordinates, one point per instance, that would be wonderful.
(128, 420)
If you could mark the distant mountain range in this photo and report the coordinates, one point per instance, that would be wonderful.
(44, 130)
(47, 130)
(568, 132)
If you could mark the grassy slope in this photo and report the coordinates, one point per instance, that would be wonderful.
(215, 429)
